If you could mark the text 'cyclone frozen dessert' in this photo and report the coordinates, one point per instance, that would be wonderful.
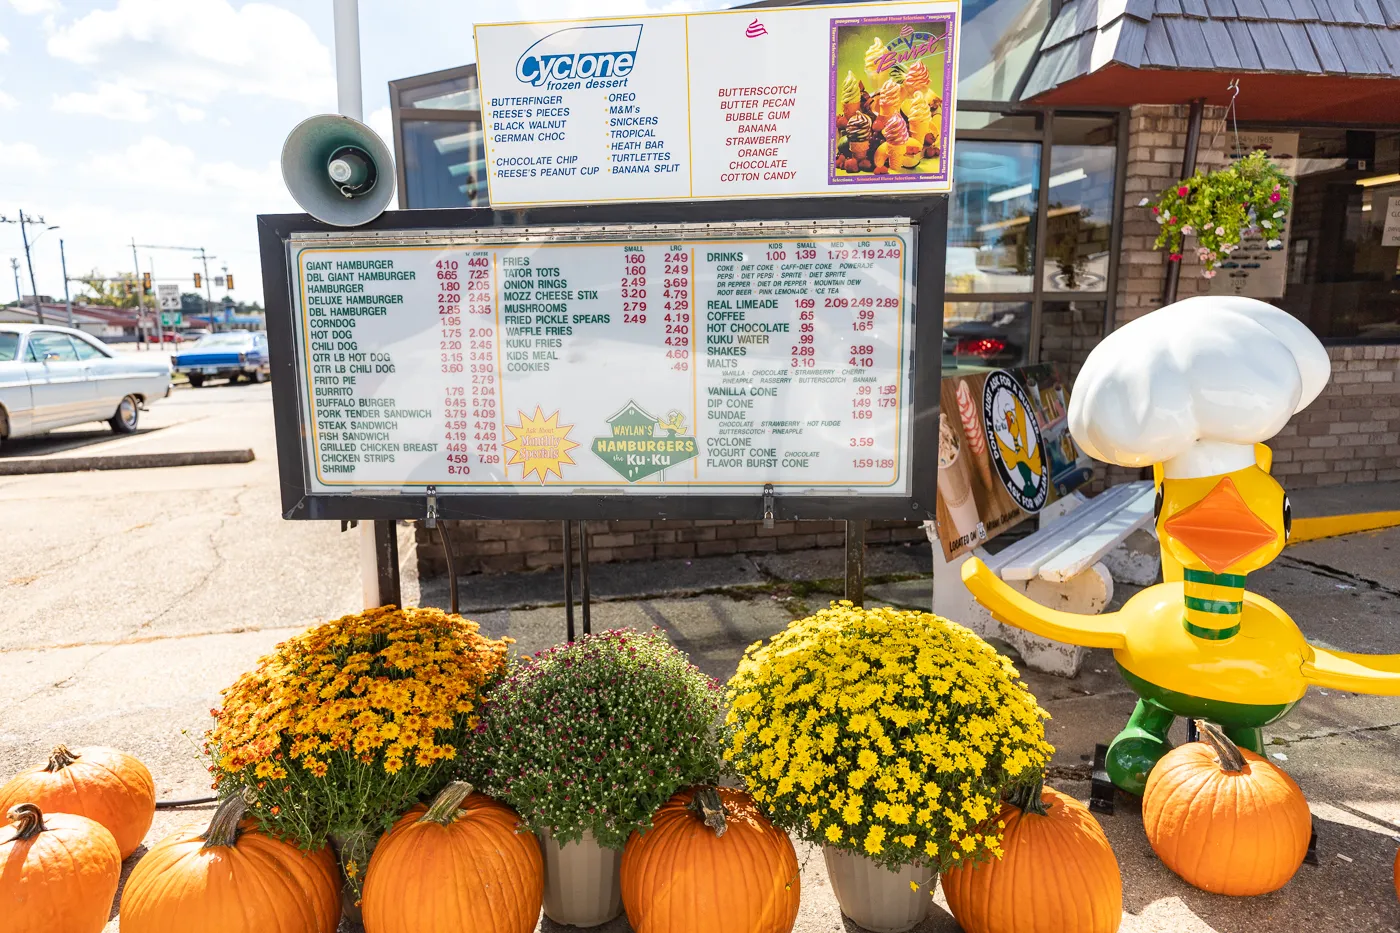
(872, 61)
(850, 95)
(954, 481)
(890, 155)
(858, 134)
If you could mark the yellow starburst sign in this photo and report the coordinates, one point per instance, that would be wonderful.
(541, 445)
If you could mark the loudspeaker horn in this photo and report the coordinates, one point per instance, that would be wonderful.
(338, 170)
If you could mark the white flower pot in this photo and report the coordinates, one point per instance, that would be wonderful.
(582, 881)
(876, 898)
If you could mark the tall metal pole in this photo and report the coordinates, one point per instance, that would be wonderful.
(140, 299)
(208, 295)
(19, 295)
(348, 91)
(24, 235)
(67, 300)
(350, 101)
(1188, 168)
(155, 306)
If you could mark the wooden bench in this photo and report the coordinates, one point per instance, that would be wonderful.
(1059, 565)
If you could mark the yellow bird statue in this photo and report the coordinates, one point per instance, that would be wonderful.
(1193, 390)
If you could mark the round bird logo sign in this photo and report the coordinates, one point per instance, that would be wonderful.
(1017, 450)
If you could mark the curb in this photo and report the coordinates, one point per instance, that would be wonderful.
(35, 465)
(1331, 526)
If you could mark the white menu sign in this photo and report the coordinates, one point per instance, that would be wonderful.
(682, 360)
(778, 102)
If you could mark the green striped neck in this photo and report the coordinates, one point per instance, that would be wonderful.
(1214, 604)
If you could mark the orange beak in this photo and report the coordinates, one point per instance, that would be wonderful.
(1220, 529)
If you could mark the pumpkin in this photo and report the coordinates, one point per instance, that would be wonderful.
(57, 873)
(710, 862)
(1057, 873)
(230, 878)
(102, 784)
(460, 864)
(1226, 820)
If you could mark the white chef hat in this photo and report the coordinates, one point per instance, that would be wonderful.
(1195, 385)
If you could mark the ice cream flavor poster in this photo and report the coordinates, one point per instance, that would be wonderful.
(1004, 452)
(890, 79)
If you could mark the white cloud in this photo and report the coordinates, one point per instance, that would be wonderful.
(198, 50)
(113, 101)
(31, 7)
(188, 114)
(382, 122)
(7, 102)
(4, 44)
(21, 157)
(156, 165)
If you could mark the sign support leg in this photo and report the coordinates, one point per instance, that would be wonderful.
(855, 561)
(583, 575)
(569, 579)
(379, 563)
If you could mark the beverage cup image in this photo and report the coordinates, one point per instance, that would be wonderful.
(954, 481)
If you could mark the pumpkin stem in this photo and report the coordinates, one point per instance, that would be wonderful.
(223, 825)
(1231, 761)
(60, 758)
(710, 808)
(28, 820)
(1027, 797)
(446, 804)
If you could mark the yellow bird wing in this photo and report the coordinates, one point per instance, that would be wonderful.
(1016, 609)
(1377, 674)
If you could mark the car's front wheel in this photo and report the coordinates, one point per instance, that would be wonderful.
(128, 412)
(196, 380)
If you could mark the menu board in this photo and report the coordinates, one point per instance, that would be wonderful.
(774, 102)
(706, 359)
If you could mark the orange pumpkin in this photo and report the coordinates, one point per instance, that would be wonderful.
(57, 873)
(460, 864)
(1057, 874)
(710, 862)
(1224, 819)
(102, 784)
(230, 878)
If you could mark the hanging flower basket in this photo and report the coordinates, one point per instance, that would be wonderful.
(1218, 208)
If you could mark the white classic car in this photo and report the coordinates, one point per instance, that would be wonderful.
(51, 377)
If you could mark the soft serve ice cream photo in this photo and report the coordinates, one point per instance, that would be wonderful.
(890, 77)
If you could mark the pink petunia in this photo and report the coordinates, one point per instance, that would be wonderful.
(1183, 191)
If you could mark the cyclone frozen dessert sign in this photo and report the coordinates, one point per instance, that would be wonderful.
(584, 56)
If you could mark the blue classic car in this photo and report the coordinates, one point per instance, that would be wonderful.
(226, 356)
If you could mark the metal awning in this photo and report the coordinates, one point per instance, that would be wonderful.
(1327, 60)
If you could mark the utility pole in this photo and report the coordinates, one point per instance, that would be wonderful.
(19, 295)
(155, 305)
(208, 293)
(67, 301)
(140, 299)
(24, 223)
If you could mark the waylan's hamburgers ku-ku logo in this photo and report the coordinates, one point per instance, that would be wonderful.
(565, 59)
(1016, 448)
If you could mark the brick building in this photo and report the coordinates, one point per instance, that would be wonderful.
(1069, 113)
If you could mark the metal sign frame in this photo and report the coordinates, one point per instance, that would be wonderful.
(929, 214)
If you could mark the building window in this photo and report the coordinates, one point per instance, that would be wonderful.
(453, 94)
(1079, 204)
(998, 37)
(444, 164)
(1343, 249)
(986, 334)
(992, 216)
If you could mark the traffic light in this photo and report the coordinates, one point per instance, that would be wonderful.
(229, 281)
(198, 281)
(146, 282)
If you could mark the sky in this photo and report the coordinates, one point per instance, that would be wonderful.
(162, 121)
